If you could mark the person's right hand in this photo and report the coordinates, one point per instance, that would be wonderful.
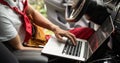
(59, 33)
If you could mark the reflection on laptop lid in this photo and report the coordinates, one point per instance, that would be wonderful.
(83, 48)
(97, 39)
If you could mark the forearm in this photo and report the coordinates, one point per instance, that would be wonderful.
(43, 22)
(40, 20)
(16, 44)
(30, 48)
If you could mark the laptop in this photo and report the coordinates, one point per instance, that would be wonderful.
(84, 48)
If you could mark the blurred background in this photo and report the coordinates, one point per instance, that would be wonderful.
(39, 6)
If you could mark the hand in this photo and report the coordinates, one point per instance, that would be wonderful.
(59, 33)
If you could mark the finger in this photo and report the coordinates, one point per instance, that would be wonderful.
(72, 38)
(58, 37)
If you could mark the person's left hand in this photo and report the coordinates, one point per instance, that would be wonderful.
(59, 33)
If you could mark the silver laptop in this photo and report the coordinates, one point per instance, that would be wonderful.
(84, 48)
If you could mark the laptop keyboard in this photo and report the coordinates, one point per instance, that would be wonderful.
(70, 49)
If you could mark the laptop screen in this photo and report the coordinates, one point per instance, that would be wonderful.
(101, 34)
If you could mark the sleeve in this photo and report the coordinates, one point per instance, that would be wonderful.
(7, 30)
